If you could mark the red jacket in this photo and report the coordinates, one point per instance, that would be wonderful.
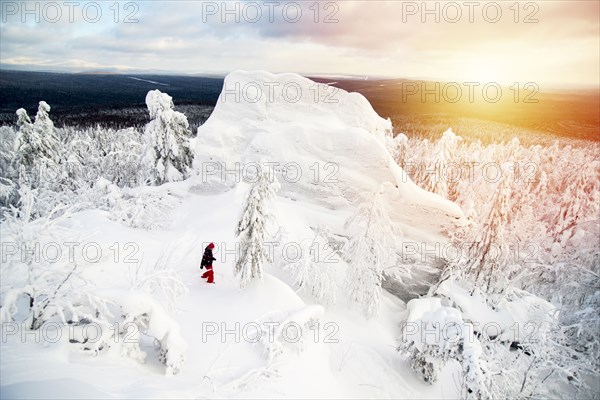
(207, 258)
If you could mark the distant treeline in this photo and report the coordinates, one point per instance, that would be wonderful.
(115, 100)
(425, 109)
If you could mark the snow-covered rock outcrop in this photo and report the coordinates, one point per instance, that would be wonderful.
(327, 145)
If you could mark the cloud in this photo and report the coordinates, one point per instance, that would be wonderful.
(355, 37)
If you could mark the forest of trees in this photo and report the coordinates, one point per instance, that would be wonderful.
(533, 231)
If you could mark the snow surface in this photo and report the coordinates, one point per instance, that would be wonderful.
(361, 363)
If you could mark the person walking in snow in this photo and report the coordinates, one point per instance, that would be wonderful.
(207, 260)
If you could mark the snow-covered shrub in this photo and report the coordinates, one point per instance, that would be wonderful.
(142, 311)
(167, 136)
(153, 320)
(93, 332)
(434, 334)
(372, 247)
(40, 287)
(287, 331)
(122, 324)
(104, 195)
(27, 144)
(253, 226)
(523, 345)
(122, 162)
(146, 210)
(574, 206)
(160, 280)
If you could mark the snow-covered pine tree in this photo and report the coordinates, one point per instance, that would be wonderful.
(168, 154)
(486, 261)
(574, 207)
(26, 142)
(37, 146)
(252, 228)
(45, 127)
(370, 250)
(437, 179)
(398, 146)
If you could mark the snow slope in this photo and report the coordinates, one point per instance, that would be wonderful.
(360, 362)
(358, 359)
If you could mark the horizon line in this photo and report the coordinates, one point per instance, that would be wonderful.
(343, 76)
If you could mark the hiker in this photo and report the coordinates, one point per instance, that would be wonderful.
(207, 260)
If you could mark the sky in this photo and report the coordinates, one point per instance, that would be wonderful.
(551, 43)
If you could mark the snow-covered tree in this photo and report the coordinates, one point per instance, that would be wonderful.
(37, 147)
(486, 259)
(8, 175)
(27, 144)
(537, 231)
(437, 174)
(252, 228)
(372, 248)
(571, 280)
(167, 136)
(97, 152)
(397, 146)
(313, 268)
(574, 206)
(45, 128)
